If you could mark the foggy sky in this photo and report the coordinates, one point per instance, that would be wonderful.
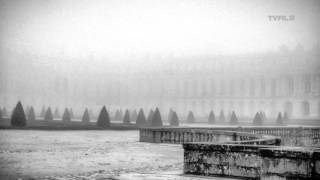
(136, 28)
(73, 53)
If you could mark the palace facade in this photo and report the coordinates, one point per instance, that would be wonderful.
(274, 82)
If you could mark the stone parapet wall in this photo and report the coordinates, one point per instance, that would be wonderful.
(290, 163)
(251, 161)
(222, 160)
(248, 152)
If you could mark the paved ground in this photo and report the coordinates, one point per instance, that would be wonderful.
(86, 155)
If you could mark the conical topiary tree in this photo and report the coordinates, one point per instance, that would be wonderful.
(150, 116)
(221, 117)
(66, 116)
(190, 117)
(31, 114)
(4, 112)
(56, 113)
(279, 119)
(43, 111)
(71, 113)
(117, 115)
(257, 120)
(174, 121)
(156, 118)
(233, 118)
(141, 119)
(48, 116)
(91, 114)
(170, 114)
(133, 116)
(18, 118)
(212, 118)
(26, 110)
(285, 117)
(229, 114)
(126, 118)
(121, 115)
(86, 117)
(103, 119)
(263, 116)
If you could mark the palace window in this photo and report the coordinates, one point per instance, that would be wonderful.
(231, 91)
(195, 86)
(222, 105)
(307, 84)
(213, 88)
(319, 109)
(273, 87)
(263, 87)
(242, 86)
(252, 87)
(289, 85)
(305, 108)
(204, 89)
(185, 89)
(56, 85)
(222, 87)
(288, 108)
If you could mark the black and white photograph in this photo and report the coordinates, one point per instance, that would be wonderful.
(159, 89)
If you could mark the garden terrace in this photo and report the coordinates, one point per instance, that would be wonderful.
(245, 152)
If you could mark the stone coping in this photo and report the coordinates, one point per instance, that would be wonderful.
(228, 127)
(224, 147)
(265, 150)
(265, 140)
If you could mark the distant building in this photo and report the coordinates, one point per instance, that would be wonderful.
(245, 84)
(275, 82)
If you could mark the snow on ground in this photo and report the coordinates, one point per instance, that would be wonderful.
(91, 154)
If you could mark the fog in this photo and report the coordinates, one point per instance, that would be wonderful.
(136, 28)
(180, 54)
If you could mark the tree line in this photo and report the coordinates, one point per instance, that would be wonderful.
(19, 118)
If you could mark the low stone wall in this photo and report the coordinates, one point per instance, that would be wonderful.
(250, 152)
(290, 163)
(290, 136)
(251, 161)
(222, 160)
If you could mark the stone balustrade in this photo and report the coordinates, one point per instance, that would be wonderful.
(184, 135)
(290, 136)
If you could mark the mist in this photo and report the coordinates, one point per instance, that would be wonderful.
(185, 55)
